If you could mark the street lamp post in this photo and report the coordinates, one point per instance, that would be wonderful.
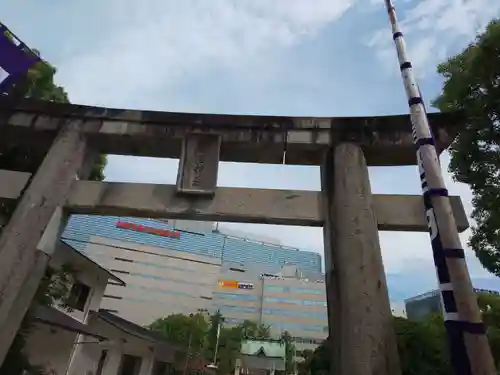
(213, 365)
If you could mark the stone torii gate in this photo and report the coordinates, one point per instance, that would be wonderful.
(72, 136)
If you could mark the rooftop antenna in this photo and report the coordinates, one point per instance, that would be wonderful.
(470, 353)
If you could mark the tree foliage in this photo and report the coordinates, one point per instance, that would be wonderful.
(317, 362)
(41, 83)
(422, 345)
(20, 157)
(185, 331)
(201, 330)
(290, 353)
(472, 86)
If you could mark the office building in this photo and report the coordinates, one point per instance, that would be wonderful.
(192, 237)
(423, 305)
(285, 301)
(172, 270)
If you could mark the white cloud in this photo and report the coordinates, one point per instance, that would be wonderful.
(434, 29)
(140, 48)
(149, 45)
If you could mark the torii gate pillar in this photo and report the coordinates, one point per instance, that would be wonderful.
(361, 325)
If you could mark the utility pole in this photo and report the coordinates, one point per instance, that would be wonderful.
(470, 353)
(188, 353)
(217, 343)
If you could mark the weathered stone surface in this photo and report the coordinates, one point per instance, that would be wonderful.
(199, 164)
(285, 207)
(386, 140)
(22, 265)
(408, 211)
(394, 212)
(12, 183)
(363, 342)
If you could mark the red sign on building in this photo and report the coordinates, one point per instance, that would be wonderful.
(145, 229)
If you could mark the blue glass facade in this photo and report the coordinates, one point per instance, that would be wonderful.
(227, 248)
(423, 305)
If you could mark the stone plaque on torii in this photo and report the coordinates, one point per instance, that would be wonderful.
(350, 214)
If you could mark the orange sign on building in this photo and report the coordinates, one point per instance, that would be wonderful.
(233, 284)
(145, 229)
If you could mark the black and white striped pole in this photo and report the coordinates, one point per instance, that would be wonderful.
(470, 353)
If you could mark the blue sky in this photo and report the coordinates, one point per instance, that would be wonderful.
(283, 57)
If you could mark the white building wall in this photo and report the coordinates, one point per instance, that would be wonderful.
(159, 281)
(50, 348)
(96, 279)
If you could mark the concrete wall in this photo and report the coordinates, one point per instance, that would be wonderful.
(87, 273)
(50, 348)
(119, 344)
(235, 304)
(297, 306)
(167, 281)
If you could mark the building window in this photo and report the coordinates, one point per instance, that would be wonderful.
(111, 296)
(161, 368)
(119, 271)
(236, 269)
(110, 311)
(289, 312)
(130, 365)
(294, 301)
(243, 297)
(243, 309)
(78, 296)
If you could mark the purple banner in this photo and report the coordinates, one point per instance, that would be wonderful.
(15, 60)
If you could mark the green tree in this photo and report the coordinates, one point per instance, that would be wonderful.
(422, 346)
(472, 86)
(230, 342)
(321, 360)
(290, 352)
(41, 83)
(19, 157)
(185, 331)
(200, 335)
(305, 367)
(490, 309)
(214, 320)
(422, 349)
(255, 330)
(229, 349)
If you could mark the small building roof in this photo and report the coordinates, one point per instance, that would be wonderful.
(167, 349)
(270, 349)
(56, 318)
(263, 354)
(69, 255)
(131, 328)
